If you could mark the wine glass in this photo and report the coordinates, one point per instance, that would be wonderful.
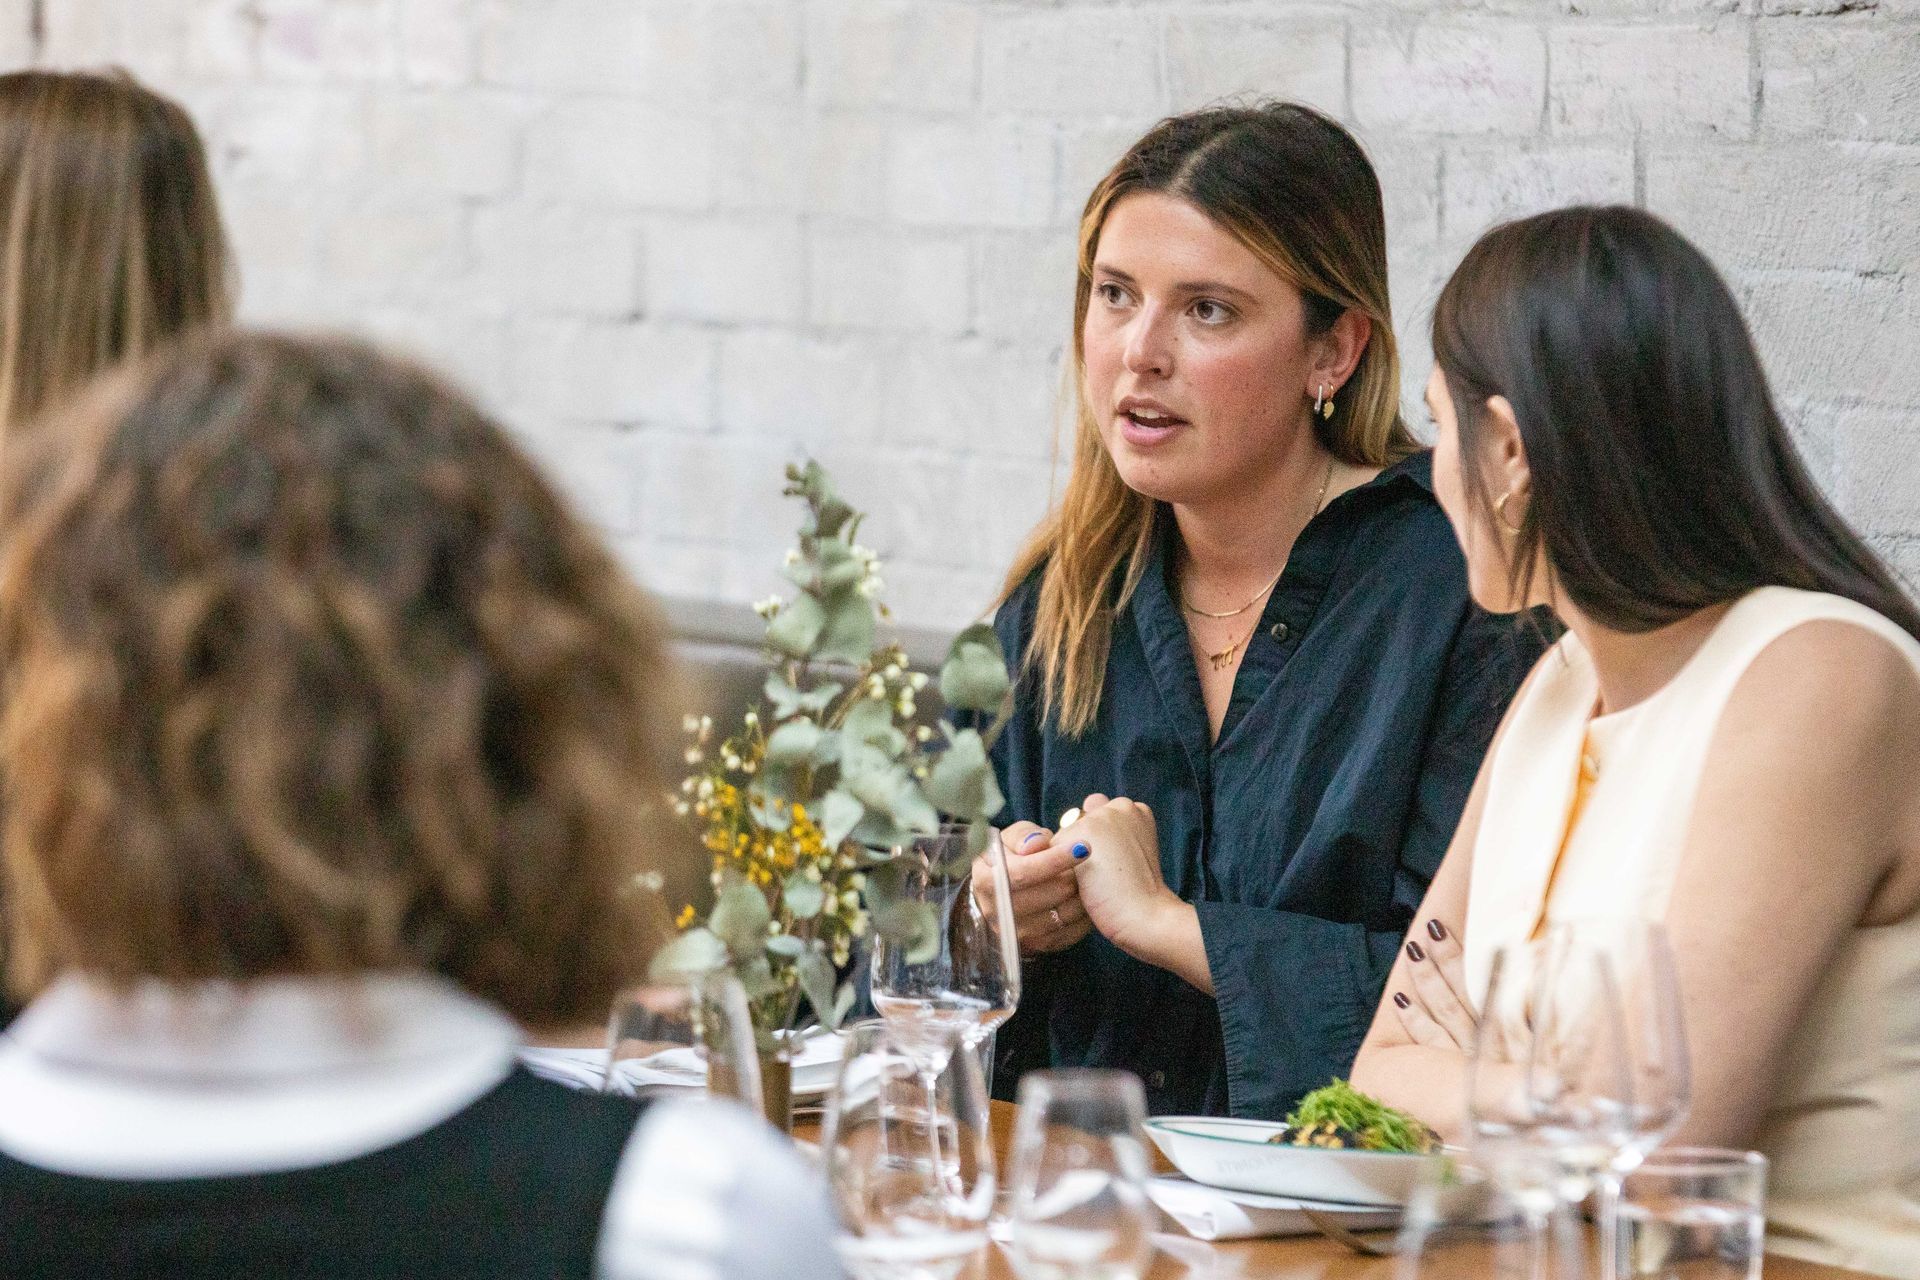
(1467, 1219)
(1080, 1207)
(911, 1172)
(684, 1034)
(970, 983)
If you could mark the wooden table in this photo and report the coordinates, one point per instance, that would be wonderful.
(1288, 1258)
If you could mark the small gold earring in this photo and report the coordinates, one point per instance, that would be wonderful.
(1500, 512)
(1322, 403)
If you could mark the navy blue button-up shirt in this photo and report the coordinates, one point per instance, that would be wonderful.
(1305, 835)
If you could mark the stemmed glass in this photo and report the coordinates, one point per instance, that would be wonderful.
(970, 983)
(1080, 1207)
(1580, 1062)
(911, 1171)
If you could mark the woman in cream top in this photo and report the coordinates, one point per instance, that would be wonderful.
(1726, 739)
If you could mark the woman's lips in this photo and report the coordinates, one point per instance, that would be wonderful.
(1146, 433)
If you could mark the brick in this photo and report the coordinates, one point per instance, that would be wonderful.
(1014, 496)
(1829, 335)
(465, 145)
(438, 42)
(1813, 427)
(1454, 77)
(987, 399)
(754, 51)
(1488, 184)
(952, 174)
(1070, 63)
(846, 165)
(220, 40)
(860, 279)
(1023, 286)
(1088, 154)
(1651, 80)
(599, 467)
(725, 270)
(1212, 56)
(760, 159)
(618, 46)
(723, 491)
(272, 227)
(386, 244)
(597, 371)
(913, 54)
(1840, 80)
(610, 151)
(16, 31)
(941, 597)
(801, 388)
(918, 507)
(1877, 469)
(326, 39)
(1655, 8)
(557, 260)
(1830, 206)
(1408, 170)
(287, 133)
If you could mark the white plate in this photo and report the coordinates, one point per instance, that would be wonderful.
(1235, 1154)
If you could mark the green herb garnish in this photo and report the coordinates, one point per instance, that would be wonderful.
(1360, 1121)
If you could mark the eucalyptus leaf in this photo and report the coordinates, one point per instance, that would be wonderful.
(767, 798)
(974, 677)
(803, 897)
(785, 945)
(870, 722)
(793, 743)
(912, 811)
(821, 696)
(839, 577)
(757, 978)
(839, 813)
(784, 698)
(740, 918)
(913, 925)
(842, 1005)
(816, 979)
(827, 750)
(961, 781)
(886, 882)
(847, 633)
(796, 629)
(693, 952)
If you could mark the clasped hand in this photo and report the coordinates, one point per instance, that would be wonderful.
(1101, 872)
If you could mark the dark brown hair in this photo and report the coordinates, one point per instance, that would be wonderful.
(1297, 190)
(304, 669)
(1663, 478)
(110, 240)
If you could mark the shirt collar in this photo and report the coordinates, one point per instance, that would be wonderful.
(267, 1029)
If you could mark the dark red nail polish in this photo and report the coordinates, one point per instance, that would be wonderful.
(1400, 999)
(1413, 950)
(1436, 931)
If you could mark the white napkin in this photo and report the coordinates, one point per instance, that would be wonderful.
(1214, 1213)
(814, 1067)
(575, 1068)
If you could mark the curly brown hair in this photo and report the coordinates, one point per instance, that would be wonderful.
(305, 669)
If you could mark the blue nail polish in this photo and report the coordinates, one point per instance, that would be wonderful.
(1081, 850)
(1030, 839)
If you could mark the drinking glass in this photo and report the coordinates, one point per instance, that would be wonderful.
(971, 983)
(688, 1034)
(1471, 1220)
(1693, 1213)
(1080, 1207)
(911, 1172)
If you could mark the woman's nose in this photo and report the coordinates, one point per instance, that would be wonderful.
(1148, 351)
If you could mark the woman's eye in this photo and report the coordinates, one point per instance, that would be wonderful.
(1207, 311)
(1112, 294)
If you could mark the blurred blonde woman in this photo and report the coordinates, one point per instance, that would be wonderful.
(110, 238)
(329, 736)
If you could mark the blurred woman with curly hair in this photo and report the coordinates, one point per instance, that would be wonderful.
(327, 735)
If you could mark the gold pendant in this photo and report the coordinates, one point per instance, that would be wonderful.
(1223, 659)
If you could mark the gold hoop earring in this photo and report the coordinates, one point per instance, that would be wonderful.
(1500, 512)
(1322, 403)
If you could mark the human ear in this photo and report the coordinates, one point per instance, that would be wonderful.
(1338, 351)
(1506, 450)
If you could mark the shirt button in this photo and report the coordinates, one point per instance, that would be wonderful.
(1278, 631)
(1156, 1079)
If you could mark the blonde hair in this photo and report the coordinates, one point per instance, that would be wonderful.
(305, 669)
(110, 240)
(1297, 190)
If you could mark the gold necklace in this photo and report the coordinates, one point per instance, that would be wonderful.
(1318, 501)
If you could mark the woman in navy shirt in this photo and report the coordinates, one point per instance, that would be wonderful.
(1247, 621)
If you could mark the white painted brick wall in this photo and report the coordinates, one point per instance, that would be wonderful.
(679, 242)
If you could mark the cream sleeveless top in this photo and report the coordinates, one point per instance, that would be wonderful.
(1843, 1133)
